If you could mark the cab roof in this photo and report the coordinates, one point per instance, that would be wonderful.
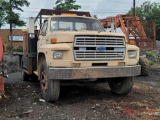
(59, 12)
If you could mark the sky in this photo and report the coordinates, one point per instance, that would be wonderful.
(101, 8)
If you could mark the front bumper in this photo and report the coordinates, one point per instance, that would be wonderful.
(93, 72)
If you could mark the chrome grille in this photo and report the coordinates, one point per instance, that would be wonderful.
(105, 41)
(85, 48)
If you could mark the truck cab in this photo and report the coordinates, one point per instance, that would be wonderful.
(74, 47)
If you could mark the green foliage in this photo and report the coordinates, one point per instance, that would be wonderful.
(95, 16)
(152, 54)
(19, 49)
(2, 14)
(66, 5)
(11, 17)
(151, 62)
(7, 47)
(149, 11)
(1, 18)
(152, 57)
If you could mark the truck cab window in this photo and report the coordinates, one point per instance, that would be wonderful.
(65, 25)
(75, 24)
(45, 26)
(96, 26)
(54, 25)
(80, 26)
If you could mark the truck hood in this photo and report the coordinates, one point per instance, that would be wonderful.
(68, 36)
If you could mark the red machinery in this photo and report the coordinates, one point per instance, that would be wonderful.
(1, 69)
(142, 33)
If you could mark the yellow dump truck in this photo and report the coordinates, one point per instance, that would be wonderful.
(73, 47)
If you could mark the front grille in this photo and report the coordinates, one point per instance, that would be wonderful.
(95, 41)
(85, 48)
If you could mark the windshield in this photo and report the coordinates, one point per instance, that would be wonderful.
(75, 24)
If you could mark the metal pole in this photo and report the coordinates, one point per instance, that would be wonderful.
(134, 6)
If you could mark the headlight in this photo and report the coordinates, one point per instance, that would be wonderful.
(132, 54)
(57, 55)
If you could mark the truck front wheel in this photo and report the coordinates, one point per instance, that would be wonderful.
(50, 88)
(121, 86)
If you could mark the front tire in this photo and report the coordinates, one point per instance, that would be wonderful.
(50, 88)
(121, 86)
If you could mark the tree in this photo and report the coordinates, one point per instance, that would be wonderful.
(1, 18)
(12, 17)
(66, 5)
(149, 11)
(95, 16)
(1, 15)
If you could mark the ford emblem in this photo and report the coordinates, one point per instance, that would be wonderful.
(101, 48)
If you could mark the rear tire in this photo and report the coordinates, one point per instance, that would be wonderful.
(50, 88)
(145, 67)
(121, 86)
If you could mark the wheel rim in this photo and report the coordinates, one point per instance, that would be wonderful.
(44, 81)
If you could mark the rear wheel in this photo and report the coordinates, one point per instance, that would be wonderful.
(50, 88)
(145, 67)
(121, 86)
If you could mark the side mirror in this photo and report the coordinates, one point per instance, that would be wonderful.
(42, 32)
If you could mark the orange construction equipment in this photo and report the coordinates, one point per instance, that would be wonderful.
(142, 33)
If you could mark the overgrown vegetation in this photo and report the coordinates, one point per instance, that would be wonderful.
(152, 57)
(19, 49)
(7, 47)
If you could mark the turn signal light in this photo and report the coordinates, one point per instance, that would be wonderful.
(132, 42)
(53, 40)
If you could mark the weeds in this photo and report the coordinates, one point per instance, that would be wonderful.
(19, 49)
(8, 48)
(152, 57)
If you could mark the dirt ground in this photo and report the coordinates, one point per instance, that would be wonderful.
(23, 100)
